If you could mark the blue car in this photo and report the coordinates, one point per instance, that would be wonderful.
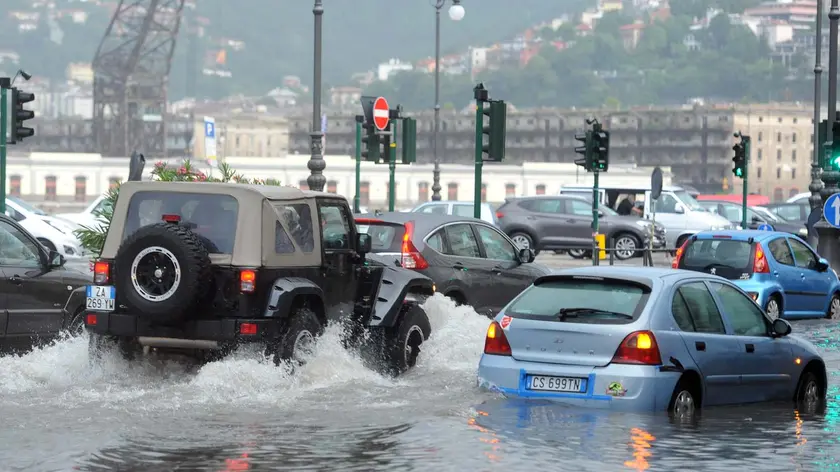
(646, 339)
(778, 270)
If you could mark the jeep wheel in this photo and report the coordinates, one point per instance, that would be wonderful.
(99, 345)
(298, 339)
(401, 343)
(162, 271)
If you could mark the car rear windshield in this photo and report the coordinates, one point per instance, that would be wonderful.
(592, 300)
(724, 257)
(385, 237)
(213, 217)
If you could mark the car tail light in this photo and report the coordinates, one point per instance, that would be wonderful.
(171, 218)
(760, 265)
(247, 281)
(90, 320)
(411, 257)
(675, 264)
(638, 348)
(101, 272)
(496, 342)
(499, 215)
(248, 328)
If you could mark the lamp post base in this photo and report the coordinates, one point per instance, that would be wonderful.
(829, 243)
(436, 188)
(316, 180)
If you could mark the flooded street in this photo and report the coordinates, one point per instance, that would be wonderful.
(59, 414)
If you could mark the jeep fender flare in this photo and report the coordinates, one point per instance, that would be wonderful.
(286, 290)
(394, 285)
(75, 302)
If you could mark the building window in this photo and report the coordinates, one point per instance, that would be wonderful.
(779, 155)
(793, 156)
(510, 190)
(332, 186)
(778, 137)
(778, 194)
(14, 185)
(793, 192)
(303, 185)
(760, 135)
(483, 193)
(452, 191)
(759, 154)
(81, 188)
(423, 192)
(792, 174)
(793, 137)
(364, 193)
(778, 172)
(758, 172)
(540, 189)
(50, 191)
(113, 182)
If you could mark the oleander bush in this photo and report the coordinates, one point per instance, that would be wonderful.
(93, 238)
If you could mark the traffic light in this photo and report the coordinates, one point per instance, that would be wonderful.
(739, 162)
(585, 150)
(495, 117)
(600, 149)
(833, 148)
(371, 143)
(409, 141)
(20, 115)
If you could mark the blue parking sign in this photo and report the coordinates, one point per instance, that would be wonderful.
(209, 129)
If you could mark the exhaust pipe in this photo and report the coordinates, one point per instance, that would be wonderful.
(174, 343)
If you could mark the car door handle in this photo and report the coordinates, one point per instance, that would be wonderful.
(496, 270)
(776, 273)
(16, 279)
(750, 347)
(458, 265)
(570, 221)
(530, 217)
(700, 345)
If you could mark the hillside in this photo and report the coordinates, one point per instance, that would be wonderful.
(278, 38)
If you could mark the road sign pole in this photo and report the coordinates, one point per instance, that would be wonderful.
(596, 251)
(392, 168)
(3, 130)
(744, 190)
(479, 163)
(357, 198)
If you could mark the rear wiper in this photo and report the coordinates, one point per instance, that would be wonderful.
(564, 313)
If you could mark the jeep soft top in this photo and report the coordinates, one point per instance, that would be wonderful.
(206, 266)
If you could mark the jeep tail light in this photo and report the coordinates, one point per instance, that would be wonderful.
(675, 264)
(248, 329)
(101, 272)
(171, 218)
(496, 343)
(247, 281)
(90, 320)
(411, 257)
(638, 347)
(760, 265)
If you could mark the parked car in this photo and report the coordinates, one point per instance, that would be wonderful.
(778, 270)
(469, 260)
(183, 269)
(565, 222)
(647, 339)
(800, 198)
(772, 217)
(755, 219)
(41, 297)
(87, 217)
(54, 233)
(456, 208)
(793, 212)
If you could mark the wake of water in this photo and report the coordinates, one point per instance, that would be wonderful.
(61, 372)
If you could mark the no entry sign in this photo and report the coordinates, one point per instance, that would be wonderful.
(380, 113)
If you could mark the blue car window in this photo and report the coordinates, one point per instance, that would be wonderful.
(744, 315)
(780, 251)
(702, 308)
(682, 316)
(805, 259)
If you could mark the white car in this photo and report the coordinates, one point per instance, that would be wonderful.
(801, 198)
(54, 233)
(87, 217)
(456, 208)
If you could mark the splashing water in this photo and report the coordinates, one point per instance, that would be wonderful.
(63, 373)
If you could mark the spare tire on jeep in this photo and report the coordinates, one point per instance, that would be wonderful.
(162, 271)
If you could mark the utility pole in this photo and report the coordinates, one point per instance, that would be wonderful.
(5, 84)
(595, 150)
(357, 199)
(494, 130)
(828, 235)
(816, 161)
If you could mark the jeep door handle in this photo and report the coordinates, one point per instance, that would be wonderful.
(700, 345)
(750, 347)
(16, 279)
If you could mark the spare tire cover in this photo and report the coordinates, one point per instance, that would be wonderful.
(162, 271)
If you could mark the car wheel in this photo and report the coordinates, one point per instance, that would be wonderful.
(401, 344)
(47, 244)
(810, 394)
(578, 253)
(77, 324)
(834, 308)
(625, 246)
(522, 240)
(683, 405)
(773, 307)
(297, 343)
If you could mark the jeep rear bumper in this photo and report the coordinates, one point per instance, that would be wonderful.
(223, 330)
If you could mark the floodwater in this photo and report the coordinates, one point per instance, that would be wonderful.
(59, 414)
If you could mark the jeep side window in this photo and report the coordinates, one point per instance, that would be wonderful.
(335, 226)
(298, 218)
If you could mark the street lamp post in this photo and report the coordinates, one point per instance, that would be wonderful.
(828, 236)
(316, 164)
(456, 13)
(816, 184)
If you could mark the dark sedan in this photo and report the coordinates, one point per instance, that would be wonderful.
(469, 260)
(732, 212)
(40, 296)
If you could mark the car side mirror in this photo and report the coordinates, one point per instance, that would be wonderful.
(364, 243)
(756, 219)
(56, 260)
(781, 328)
(602, 213)
(822, 265)
(527, 256)
(679, 210)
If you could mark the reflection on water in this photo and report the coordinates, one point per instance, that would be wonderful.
(640, 441)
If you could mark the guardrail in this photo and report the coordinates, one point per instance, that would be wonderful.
(609, 251)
